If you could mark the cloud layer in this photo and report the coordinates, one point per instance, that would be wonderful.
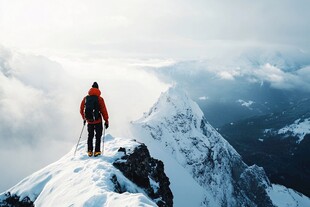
(280, 69)
(40, 100)
(273, 80)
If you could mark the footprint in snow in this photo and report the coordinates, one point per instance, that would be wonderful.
(77, 169)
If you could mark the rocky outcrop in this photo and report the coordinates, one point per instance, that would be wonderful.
(253, 182)
(10, 200)
(147, 173)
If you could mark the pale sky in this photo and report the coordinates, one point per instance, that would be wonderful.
(181, 29)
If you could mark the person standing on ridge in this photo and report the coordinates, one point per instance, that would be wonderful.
(92, 110)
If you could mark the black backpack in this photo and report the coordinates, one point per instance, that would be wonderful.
(92, 108)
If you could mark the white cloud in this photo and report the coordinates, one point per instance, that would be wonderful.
(304, 75)
(246, 103)
(227, 75)
(203, 98)
(270, 73)
(40, 100)
(283, 80)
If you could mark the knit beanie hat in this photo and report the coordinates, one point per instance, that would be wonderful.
(95, 85)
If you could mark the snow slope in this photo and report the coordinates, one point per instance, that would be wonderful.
(285, 197)
(176, 126)
(298, 128)
(83, 181)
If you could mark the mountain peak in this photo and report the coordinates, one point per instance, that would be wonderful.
(176, 125)
(173, 101)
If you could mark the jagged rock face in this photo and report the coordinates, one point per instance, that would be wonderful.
(179, 125)
(253, 182)
(15, 200)
(148, 173)
(225, 168)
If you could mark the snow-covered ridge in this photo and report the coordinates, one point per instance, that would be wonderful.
(299, 129)
(83, 181)
(176, 124)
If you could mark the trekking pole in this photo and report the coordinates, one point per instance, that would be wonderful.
(103, 140)
(79, 139)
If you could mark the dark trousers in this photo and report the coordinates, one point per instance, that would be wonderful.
(92, 128)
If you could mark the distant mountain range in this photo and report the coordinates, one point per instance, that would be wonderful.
(279, 142)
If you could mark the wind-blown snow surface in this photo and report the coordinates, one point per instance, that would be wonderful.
(83, 181)
(177, 125)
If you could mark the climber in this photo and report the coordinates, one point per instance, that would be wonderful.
(92, 110)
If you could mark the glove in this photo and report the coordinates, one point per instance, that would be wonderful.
(106, 125)
(84, 121)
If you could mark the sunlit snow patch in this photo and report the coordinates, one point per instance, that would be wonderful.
(298, 128)
(246, 103)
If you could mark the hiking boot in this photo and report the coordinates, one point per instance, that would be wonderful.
(90, 153)
(97, 153)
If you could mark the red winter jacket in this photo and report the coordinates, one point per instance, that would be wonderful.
(102, 107)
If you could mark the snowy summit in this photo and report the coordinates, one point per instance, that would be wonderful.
(177, 126)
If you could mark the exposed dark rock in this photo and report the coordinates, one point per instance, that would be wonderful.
(254, 182)
(16, 201)
(117, 185)
(122, 149)
(148, 173)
